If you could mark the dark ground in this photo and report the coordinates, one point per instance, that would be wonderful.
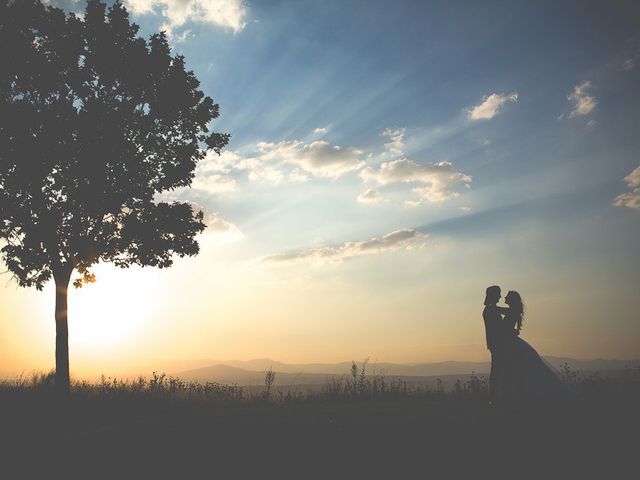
(352, 438)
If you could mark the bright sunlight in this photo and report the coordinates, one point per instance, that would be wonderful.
(118, 304)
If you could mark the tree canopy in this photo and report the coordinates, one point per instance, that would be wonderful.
(95, 122)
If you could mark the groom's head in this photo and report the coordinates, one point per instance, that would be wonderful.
(493, 295)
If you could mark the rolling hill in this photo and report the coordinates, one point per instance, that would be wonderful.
(252, 372)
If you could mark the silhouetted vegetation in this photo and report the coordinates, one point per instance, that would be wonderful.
(357, 386)
(360, 424)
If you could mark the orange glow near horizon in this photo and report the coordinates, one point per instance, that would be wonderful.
(217, 308)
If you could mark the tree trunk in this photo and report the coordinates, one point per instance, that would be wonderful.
(62, 333)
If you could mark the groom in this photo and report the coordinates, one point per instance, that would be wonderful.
(496, 342)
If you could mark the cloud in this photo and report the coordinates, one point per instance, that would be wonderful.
(321, 130)
(297, 175)
(631, 58)
(490, 106)
(293, 161)
(219, 231)
(583, 104)
(395, 147)
(214, 163)
(215, 224)
(321, 158)
(630, 199)
(370, 196)
(633, 179)
(276, 176)
(392, 148)
(182, 37)
(440, 180)
(406, 239)
(211, 175)
(229, 14)
(215, 183)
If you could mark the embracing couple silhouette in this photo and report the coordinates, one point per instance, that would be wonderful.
(517, 371)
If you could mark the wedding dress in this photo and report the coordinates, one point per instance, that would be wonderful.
(530, 376)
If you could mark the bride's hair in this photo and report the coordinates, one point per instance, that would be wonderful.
(516, 307)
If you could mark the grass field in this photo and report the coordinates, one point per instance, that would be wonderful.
(357, 427)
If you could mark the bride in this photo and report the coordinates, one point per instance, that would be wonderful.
(528, 374)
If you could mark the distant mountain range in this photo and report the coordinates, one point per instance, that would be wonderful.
(252, 372)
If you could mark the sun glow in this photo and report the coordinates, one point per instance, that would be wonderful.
(112, 309)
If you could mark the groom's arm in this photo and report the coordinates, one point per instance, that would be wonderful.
(487, 328)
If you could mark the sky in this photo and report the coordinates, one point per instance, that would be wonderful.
(388, 161)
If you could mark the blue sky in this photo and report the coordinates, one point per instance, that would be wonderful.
(359, 68)
(389, 160)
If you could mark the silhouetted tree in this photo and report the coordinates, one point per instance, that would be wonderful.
(94, 123)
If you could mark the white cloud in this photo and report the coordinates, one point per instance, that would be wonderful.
(214, 163)
(583, 104)
(295, 161)
(215, 224)
(297, 175)
(406, 239)
(182, 37)
(230, 14)
(370, 196)
(395, 147)
(219, 231)
(490, 106)
(215, 183)
(633, 179)
(392, 148)
(319, 158)
(212, 175)
(276, 175)
(440, 180)
(631, 58)
(630, 199)
(321, 130)
(267, 174)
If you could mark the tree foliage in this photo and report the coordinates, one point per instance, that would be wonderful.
(95, 122)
